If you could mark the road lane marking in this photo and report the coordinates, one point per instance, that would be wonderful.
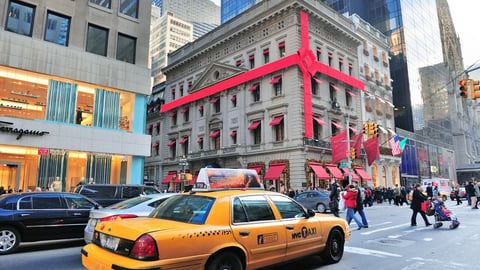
(395, 236)
(371, 252)
(427, 239)
(439, 262)
(384, 229)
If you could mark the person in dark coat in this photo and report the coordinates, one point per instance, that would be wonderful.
(429, 190)
(416, 206)
(359, 207)
(334, 197)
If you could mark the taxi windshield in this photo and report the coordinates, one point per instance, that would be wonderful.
(189, 209)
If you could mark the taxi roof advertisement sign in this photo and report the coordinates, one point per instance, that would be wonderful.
(213, 178)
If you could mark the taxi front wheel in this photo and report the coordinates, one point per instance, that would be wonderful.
(333, 252)
(225, 261)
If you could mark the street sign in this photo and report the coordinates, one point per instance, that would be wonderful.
(343, 165)
(42, 151)
(183, 164)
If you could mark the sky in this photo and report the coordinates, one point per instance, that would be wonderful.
(464, 14)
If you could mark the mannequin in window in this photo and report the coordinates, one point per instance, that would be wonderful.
(79, 117)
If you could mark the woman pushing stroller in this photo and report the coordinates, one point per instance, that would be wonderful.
(417, 199)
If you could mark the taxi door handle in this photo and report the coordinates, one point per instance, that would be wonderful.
(290, 227)
(244, 233)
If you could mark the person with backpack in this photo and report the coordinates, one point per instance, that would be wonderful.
(334, 197)
(359, 207)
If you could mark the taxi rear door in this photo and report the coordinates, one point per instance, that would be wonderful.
(255, 227)
(304, 235)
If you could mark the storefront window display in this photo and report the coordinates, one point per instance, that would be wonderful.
(31, 95)
(24, 169)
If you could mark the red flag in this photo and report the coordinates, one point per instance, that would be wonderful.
(356, 143)
(339, 147)
(372, 149)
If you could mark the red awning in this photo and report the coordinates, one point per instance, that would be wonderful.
(257, 168)
(274, 171)
(254, 125)
(319, 170)
(353, 129)
(169, 177)
(233, 133)
(215, 134)
(337, 125)
(238, 63)
(319, 121)
(177, 180)
(156, 125)
(275, 80)
(214, 100)
(200, 140)
(317, 80)
(200, 109)
(266, 51)
(194, 179)
(172, 142)
(335, 171)
(254, 87)
(354, 175)
(189, 83)
(184, 140)
(330, 55)
(173, 114)
(340, 60)
(319, 50)
(334, 87)
(155, 145)
(276, 121)
(184, 110)
(181, 87)
(350, 93)
(350, 65)
(363, 174)
(251, 57)
(150, 127)
(233, 98)
(281, 45)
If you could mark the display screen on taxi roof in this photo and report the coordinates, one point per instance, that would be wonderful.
(209, 179)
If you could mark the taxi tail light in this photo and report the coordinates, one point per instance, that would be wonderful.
(145, 249)
(118, 217)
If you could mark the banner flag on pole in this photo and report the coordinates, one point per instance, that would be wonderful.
(339, 147)
(372, 149)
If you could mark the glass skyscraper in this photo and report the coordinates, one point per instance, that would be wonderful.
(231, 8)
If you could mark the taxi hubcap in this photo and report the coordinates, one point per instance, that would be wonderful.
(7, 240)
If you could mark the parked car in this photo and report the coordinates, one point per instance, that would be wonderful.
(314, 199)
(39, 216)
(140, 206)
(463, 194)
(108, 194)
(232, 227)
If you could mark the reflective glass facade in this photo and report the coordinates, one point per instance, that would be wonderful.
(231, 8)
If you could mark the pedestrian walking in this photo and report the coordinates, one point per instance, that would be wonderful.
(470, 190)
(334, 198)
(457, 194)
(477, 194)
(435, 193)
(417, 199)
(351, 203)
(396, 195)
(359, 207)
(429, 191)
(389, 195)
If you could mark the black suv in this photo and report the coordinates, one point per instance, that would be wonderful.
(107, 194)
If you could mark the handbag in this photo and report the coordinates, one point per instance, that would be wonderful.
(423, 206)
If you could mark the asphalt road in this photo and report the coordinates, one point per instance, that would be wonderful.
(388, 243)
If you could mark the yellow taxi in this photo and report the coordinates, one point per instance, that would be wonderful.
(227, 221)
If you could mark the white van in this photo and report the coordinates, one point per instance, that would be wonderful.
(443, 186)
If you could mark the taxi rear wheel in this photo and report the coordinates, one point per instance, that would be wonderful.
(225, 261)
(9, 240)
(333, 252)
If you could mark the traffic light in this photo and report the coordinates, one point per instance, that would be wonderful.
(366, 127)
(463, 88)
(474, 89)
(353, 154)
(373, 130)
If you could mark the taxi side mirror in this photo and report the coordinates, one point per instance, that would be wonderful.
(310, 213)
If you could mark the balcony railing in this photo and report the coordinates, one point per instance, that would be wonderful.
(316, 143)
(210, 152)
(230, 149)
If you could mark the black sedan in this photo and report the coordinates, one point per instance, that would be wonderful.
(39, 216)
(314, 199)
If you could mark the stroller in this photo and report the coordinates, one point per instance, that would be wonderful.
(441, 213)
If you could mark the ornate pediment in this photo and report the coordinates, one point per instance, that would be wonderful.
(216, 73)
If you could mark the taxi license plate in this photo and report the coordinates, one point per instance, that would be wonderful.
(109, 242)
